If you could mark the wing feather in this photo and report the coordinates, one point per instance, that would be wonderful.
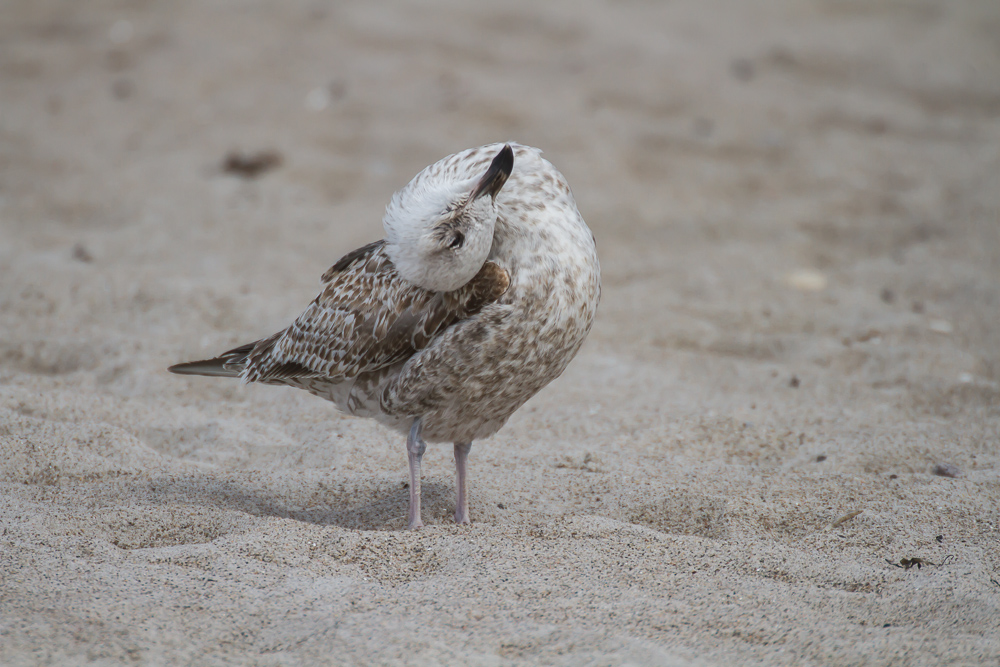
(366, 318)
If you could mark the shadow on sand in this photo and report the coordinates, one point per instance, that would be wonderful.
(353, 501)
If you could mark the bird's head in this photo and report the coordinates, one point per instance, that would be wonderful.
(439, 228)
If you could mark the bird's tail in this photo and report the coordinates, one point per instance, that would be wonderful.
(228, 365)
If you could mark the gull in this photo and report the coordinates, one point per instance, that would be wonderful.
(482, 291)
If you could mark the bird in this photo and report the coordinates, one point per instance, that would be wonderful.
(481, 292)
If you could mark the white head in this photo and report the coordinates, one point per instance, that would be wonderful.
(439, 228)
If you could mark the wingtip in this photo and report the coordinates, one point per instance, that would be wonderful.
(207, 367)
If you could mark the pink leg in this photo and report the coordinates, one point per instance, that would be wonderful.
(462, 450)
(414, 452)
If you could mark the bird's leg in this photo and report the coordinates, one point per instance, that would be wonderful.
(414, 452)
(462, 450)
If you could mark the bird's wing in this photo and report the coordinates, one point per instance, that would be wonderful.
(367, 318)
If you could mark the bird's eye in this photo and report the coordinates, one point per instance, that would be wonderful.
(457, 240)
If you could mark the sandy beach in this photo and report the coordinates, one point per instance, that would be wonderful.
(792, 388)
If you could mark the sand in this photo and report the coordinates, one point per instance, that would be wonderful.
(794, 376)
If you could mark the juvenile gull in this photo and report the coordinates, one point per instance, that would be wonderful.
(481, 293)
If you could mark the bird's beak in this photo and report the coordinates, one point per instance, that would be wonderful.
(496, 175)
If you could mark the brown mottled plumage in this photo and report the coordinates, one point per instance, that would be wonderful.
(344, 333)
(498, 228)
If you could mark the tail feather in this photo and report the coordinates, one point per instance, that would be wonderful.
(229, 364)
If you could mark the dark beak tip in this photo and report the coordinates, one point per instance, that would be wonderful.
(497, 174)
(505, 159)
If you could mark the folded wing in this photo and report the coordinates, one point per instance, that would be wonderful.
(365, 318)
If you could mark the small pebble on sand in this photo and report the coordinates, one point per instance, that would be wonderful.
(940, 326)
(946, 470)
(807, 280)
(318, 99)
